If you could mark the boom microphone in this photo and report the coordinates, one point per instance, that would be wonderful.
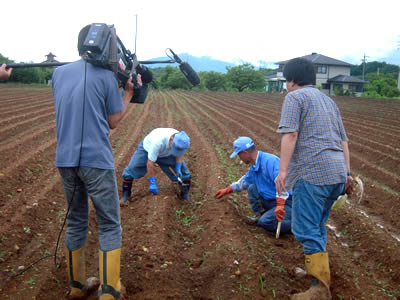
(187, 70)
(189, 73)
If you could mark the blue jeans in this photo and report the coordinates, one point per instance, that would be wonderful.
(268, 220)
(311, 207)
(137, 167)
(101, 186)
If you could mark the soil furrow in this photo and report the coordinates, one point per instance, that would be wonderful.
(27, 136)
(23, 125)
(201, 249)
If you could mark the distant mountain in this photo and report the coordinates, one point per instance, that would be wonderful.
(203, 63)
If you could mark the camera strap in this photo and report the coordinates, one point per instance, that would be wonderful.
(113, 60)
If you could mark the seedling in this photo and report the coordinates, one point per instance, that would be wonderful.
(60, 216)
(262, 282)
(31, 282)
(2, 253)
(199, 228)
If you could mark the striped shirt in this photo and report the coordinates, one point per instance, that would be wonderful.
(318, 156)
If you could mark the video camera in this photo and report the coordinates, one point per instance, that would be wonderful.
(102, 47)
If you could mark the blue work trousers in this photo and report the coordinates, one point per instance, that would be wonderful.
(137, 167)
(101, 185)
(268, 220)
(311, 207)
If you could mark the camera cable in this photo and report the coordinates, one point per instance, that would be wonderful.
(58, 264)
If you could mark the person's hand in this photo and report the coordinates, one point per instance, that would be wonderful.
(220, 193)
(178, 169)
(4, 72)
(153, 185)
(280, 209)
(129, 86)
(349, 180)
(280, 182)
(139, 79)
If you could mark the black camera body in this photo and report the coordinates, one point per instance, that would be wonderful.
(103, 48)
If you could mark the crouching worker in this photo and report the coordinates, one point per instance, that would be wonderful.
(259, 182)
(166, 147)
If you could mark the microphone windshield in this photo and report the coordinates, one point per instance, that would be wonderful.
(189, 73)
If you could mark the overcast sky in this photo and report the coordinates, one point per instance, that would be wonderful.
(229, 30)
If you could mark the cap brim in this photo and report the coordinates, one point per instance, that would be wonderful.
(233, 154)
(176, 152)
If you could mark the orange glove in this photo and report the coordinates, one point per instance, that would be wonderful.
(280, 209)
(223, 192)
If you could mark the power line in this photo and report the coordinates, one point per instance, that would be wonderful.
(363, 63)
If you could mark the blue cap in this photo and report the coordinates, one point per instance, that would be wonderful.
(241, 144)
(180, 144)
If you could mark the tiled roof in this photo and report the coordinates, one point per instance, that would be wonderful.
(320, 59)
(346, 79)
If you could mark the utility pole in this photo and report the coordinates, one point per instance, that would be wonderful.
(363, 70)
(398, 78)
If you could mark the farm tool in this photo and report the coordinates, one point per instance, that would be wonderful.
(245, 219)
(280, 210)
(179, 179)
(102, 47)
(184, 186)
(278, 230)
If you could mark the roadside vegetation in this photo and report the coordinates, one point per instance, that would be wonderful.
(382, 79)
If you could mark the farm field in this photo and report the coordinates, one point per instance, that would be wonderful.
(200, 249)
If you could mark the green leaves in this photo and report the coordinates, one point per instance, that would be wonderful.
(245, 77)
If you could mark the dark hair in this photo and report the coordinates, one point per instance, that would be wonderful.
(81, 38)
(252, 148)
(301, 71)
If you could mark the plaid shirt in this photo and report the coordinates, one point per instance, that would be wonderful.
(318, 156)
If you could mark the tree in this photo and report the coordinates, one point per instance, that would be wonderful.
(245, 77)
(381, 86)
(373, 67)
(172, 78)
(213, 81)
(27, 75)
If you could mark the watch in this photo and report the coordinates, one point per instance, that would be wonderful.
(349, 174)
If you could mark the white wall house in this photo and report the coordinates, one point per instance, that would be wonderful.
(331, 74)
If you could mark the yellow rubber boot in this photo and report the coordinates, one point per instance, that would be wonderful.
(109, 265)
(317, 265)
(76, 269)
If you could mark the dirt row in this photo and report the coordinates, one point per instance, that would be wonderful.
(199, 249)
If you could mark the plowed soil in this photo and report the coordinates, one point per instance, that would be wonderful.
(200, 249)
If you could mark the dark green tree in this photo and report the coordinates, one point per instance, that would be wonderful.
(27, 75)
(374, 67)
(381, 86)
(172, 78)
(213, 81)
(245, 77)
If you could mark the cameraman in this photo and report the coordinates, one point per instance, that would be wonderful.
(4, 72)
(88, 104)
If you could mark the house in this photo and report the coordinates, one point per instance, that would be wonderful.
(332, 74)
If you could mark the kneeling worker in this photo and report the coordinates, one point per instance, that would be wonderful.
(166, 147)
(260, 183)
